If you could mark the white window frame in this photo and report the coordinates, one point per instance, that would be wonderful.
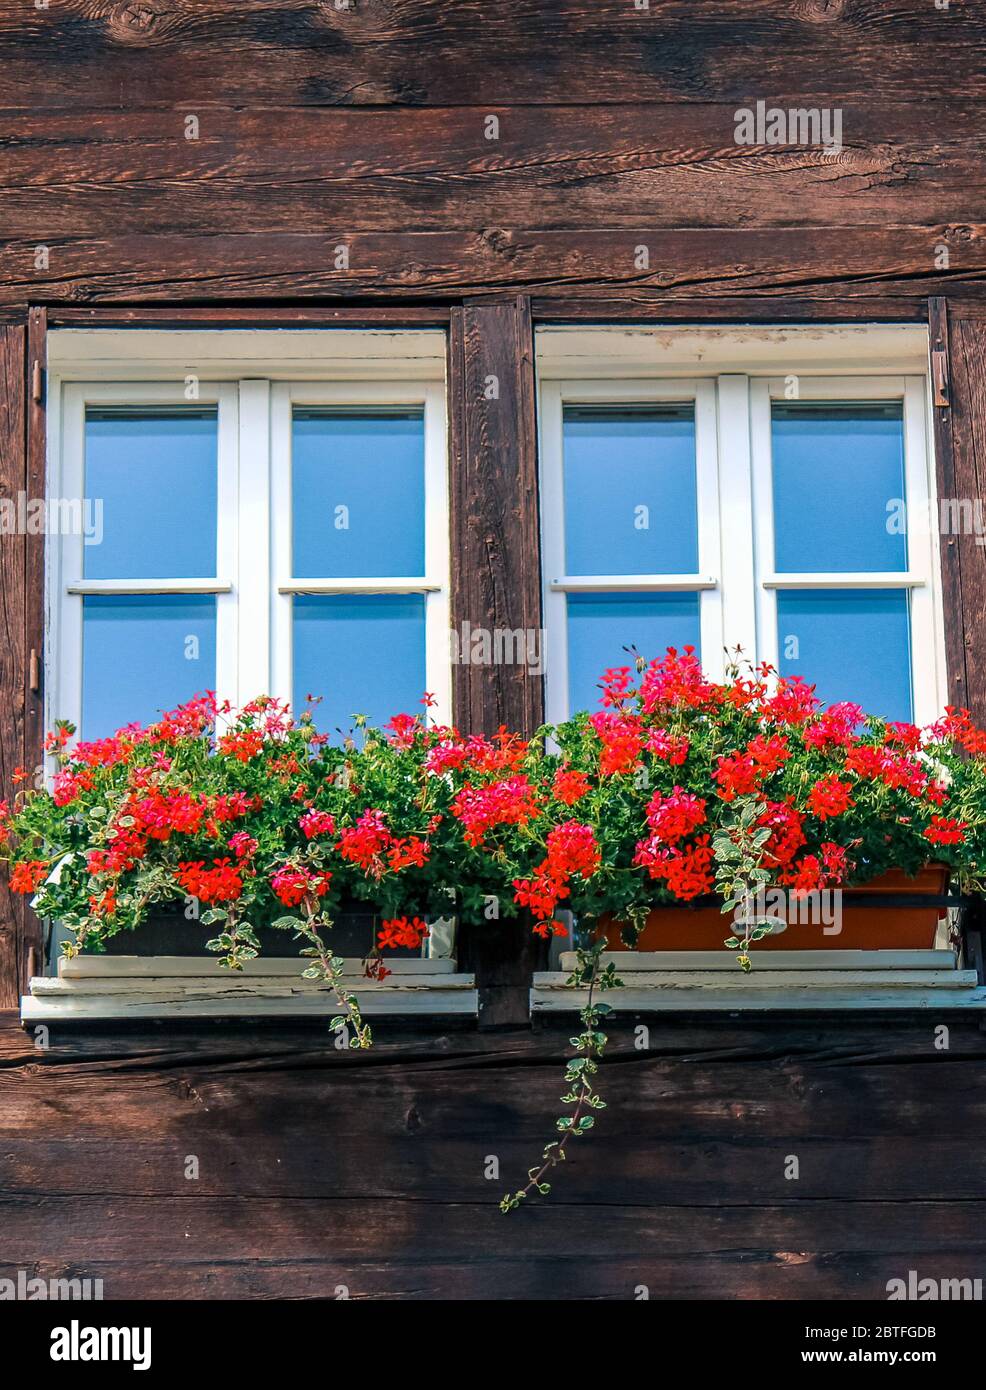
(737, 584)
(254, 378)
(67, 585)
(555, 396)
(433, 584)
(919, 577)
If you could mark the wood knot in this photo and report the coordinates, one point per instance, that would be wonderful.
(140, 21)
(822, 11)
(412, 1121)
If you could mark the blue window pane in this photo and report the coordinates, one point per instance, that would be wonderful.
(154, 474)
(601, 625)
(358, 481)
(837, 470)
(853, 644)
(142, 655)
(363, 654)
(630, 490)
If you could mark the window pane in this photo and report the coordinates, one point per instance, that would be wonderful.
(630, 490)
(154, 473)
(852, 644)
(358, 480)
(363, 654)
(837, 469)
(601, 625)
(142, 655)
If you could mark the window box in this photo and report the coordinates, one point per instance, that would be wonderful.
(102, 988)
(885, 914)
(696, 981)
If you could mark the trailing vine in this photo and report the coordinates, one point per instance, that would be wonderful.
(589, 1045)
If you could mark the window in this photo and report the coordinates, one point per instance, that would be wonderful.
(265, 512)
(266, 535)
(783, 515)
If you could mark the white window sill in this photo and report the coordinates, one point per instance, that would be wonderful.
(160, 987)
(711, 981)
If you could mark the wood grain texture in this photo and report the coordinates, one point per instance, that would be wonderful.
(263, 53)
(824, 263)
(301, 170)
(496, 575)
(681, 1187)
(13, 583)
(960, 440)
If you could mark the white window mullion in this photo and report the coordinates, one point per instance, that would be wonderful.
(253, 545)
(737, 552)
(930, 687)
(552, 493)
(768, 646)
(280, 603)
(713, 609)
(438, 560)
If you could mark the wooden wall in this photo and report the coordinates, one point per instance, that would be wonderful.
(365, 127)
(318, 1170)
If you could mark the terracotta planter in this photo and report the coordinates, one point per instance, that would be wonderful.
(885, 914)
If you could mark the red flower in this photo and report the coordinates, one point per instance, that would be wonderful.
(242, 744)
(219, 884)
(317, 823)
(945, 830)
(402, 932)
(28, 875)
(511, 802)
(291, 884)
(829, 797)
(674, 817)
(737, 775)
(672, 748)
(570, 785)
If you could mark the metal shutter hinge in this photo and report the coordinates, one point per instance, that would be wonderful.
(939, 376)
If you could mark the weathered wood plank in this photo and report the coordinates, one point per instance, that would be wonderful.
(297, 170)
(13, 582)
(418, 52)
(960, 436)
(496, 580)
(820, 262)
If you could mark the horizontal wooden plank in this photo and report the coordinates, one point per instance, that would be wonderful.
(45, 1007)
(613, 166)
(92, 1229)
(677, 998)
(208, 967)
(825, 262)
(440, 1166)
(795, 980)
(629, 962)
(504, 1273)
(259, 53)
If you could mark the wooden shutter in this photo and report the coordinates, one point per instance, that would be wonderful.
(958, 359)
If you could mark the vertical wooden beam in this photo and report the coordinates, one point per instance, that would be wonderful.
(496, 589)
(36, 383)
(496, 569)
(958, 329)
(951, 549)
(13, 663)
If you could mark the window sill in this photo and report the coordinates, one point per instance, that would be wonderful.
(93, 988)
(711, 981)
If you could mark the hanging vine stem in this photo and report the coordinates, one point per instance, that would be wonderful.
(579, 1070)
(328, 968)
